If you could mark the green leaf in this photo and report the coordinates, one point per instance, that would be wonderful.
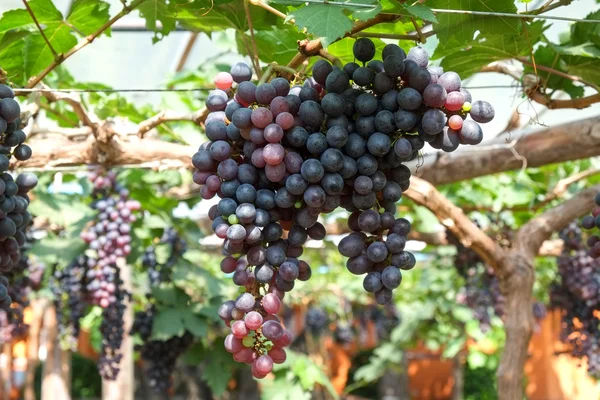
(548, 56)
(476, 359)
(53, 206)
(168, 322)
(278, 44)
(155, 222)
(219, 370)
(469, 59)
(462, 314)
(53, 249)
(423, 12)
(88, 16)
(364, 13)
(12, 46)
(342, 49)
(209, 16)
(325, 21)
(583, 67)
(170, 296)
(462, 27)
(584, 32)
(194, 355)
(37, 52)
(282, 390)
(193, 323)
(154, 11)
(45, 12)
(454, 347)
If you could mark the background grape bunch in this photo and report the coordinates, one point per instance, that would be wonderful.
(14, 217)
(160, 356)
(281, 154)
(590, 222)
(94, 278)
(575, 294)
(481, 291)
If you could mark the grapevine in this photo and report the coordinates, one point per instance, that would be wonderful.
(590, 222)
(575, 294)
(160, 356)
(14, 217)
(281, 153)
(94, 278)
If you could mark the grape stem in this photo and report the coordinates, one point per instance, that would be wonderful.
(254, 54)
(274, 67)
(37, 24)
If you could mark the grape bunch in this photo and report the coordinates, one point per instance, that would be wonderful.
(380, 258)
(109, 237)
(162, 273)
(164, 355)
(112, 328)
(14, 217)
(590, 222)
(481, 291)
(69, 289)
(109, 240)
(281, 154)
(316, 320)
(160, 356)
(575, 294)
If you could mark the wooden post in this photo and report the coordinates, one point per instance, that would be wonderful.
(38, 307)
(55, 385)
(7, 371)
(123, 388)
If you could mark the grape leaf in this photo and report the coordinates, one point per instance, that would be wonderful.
(324, 21)
(463, 27)
(45, 12)
(423, 12)
(547, 56)
(193, 323)
(54, 249)
(154, 11)
(584, 32)
(342, 49)
(11, 54)
(584, 67)
(467, 60)
(37, 53)
(276, 44)
(89, 15)
(168, 322)
(364, 13)
(218, 373)
(222, 15)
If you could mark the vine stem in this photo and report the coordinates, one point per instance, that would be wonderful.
(254, 55)
(30, 11)
(60, 58)
(574, 78)
(274, 67)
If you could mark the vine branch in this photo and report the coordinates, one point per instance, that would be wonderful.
(536, 95)
(533, 233)
(453, 218)
(30, 11)
(311, 47)
(170, 116)
(75, 103)
(60, 58)
(558, 191)
(254, 55)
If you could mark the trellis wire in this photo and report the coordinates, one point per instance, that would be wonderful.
(450, 11)
(149, 90)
